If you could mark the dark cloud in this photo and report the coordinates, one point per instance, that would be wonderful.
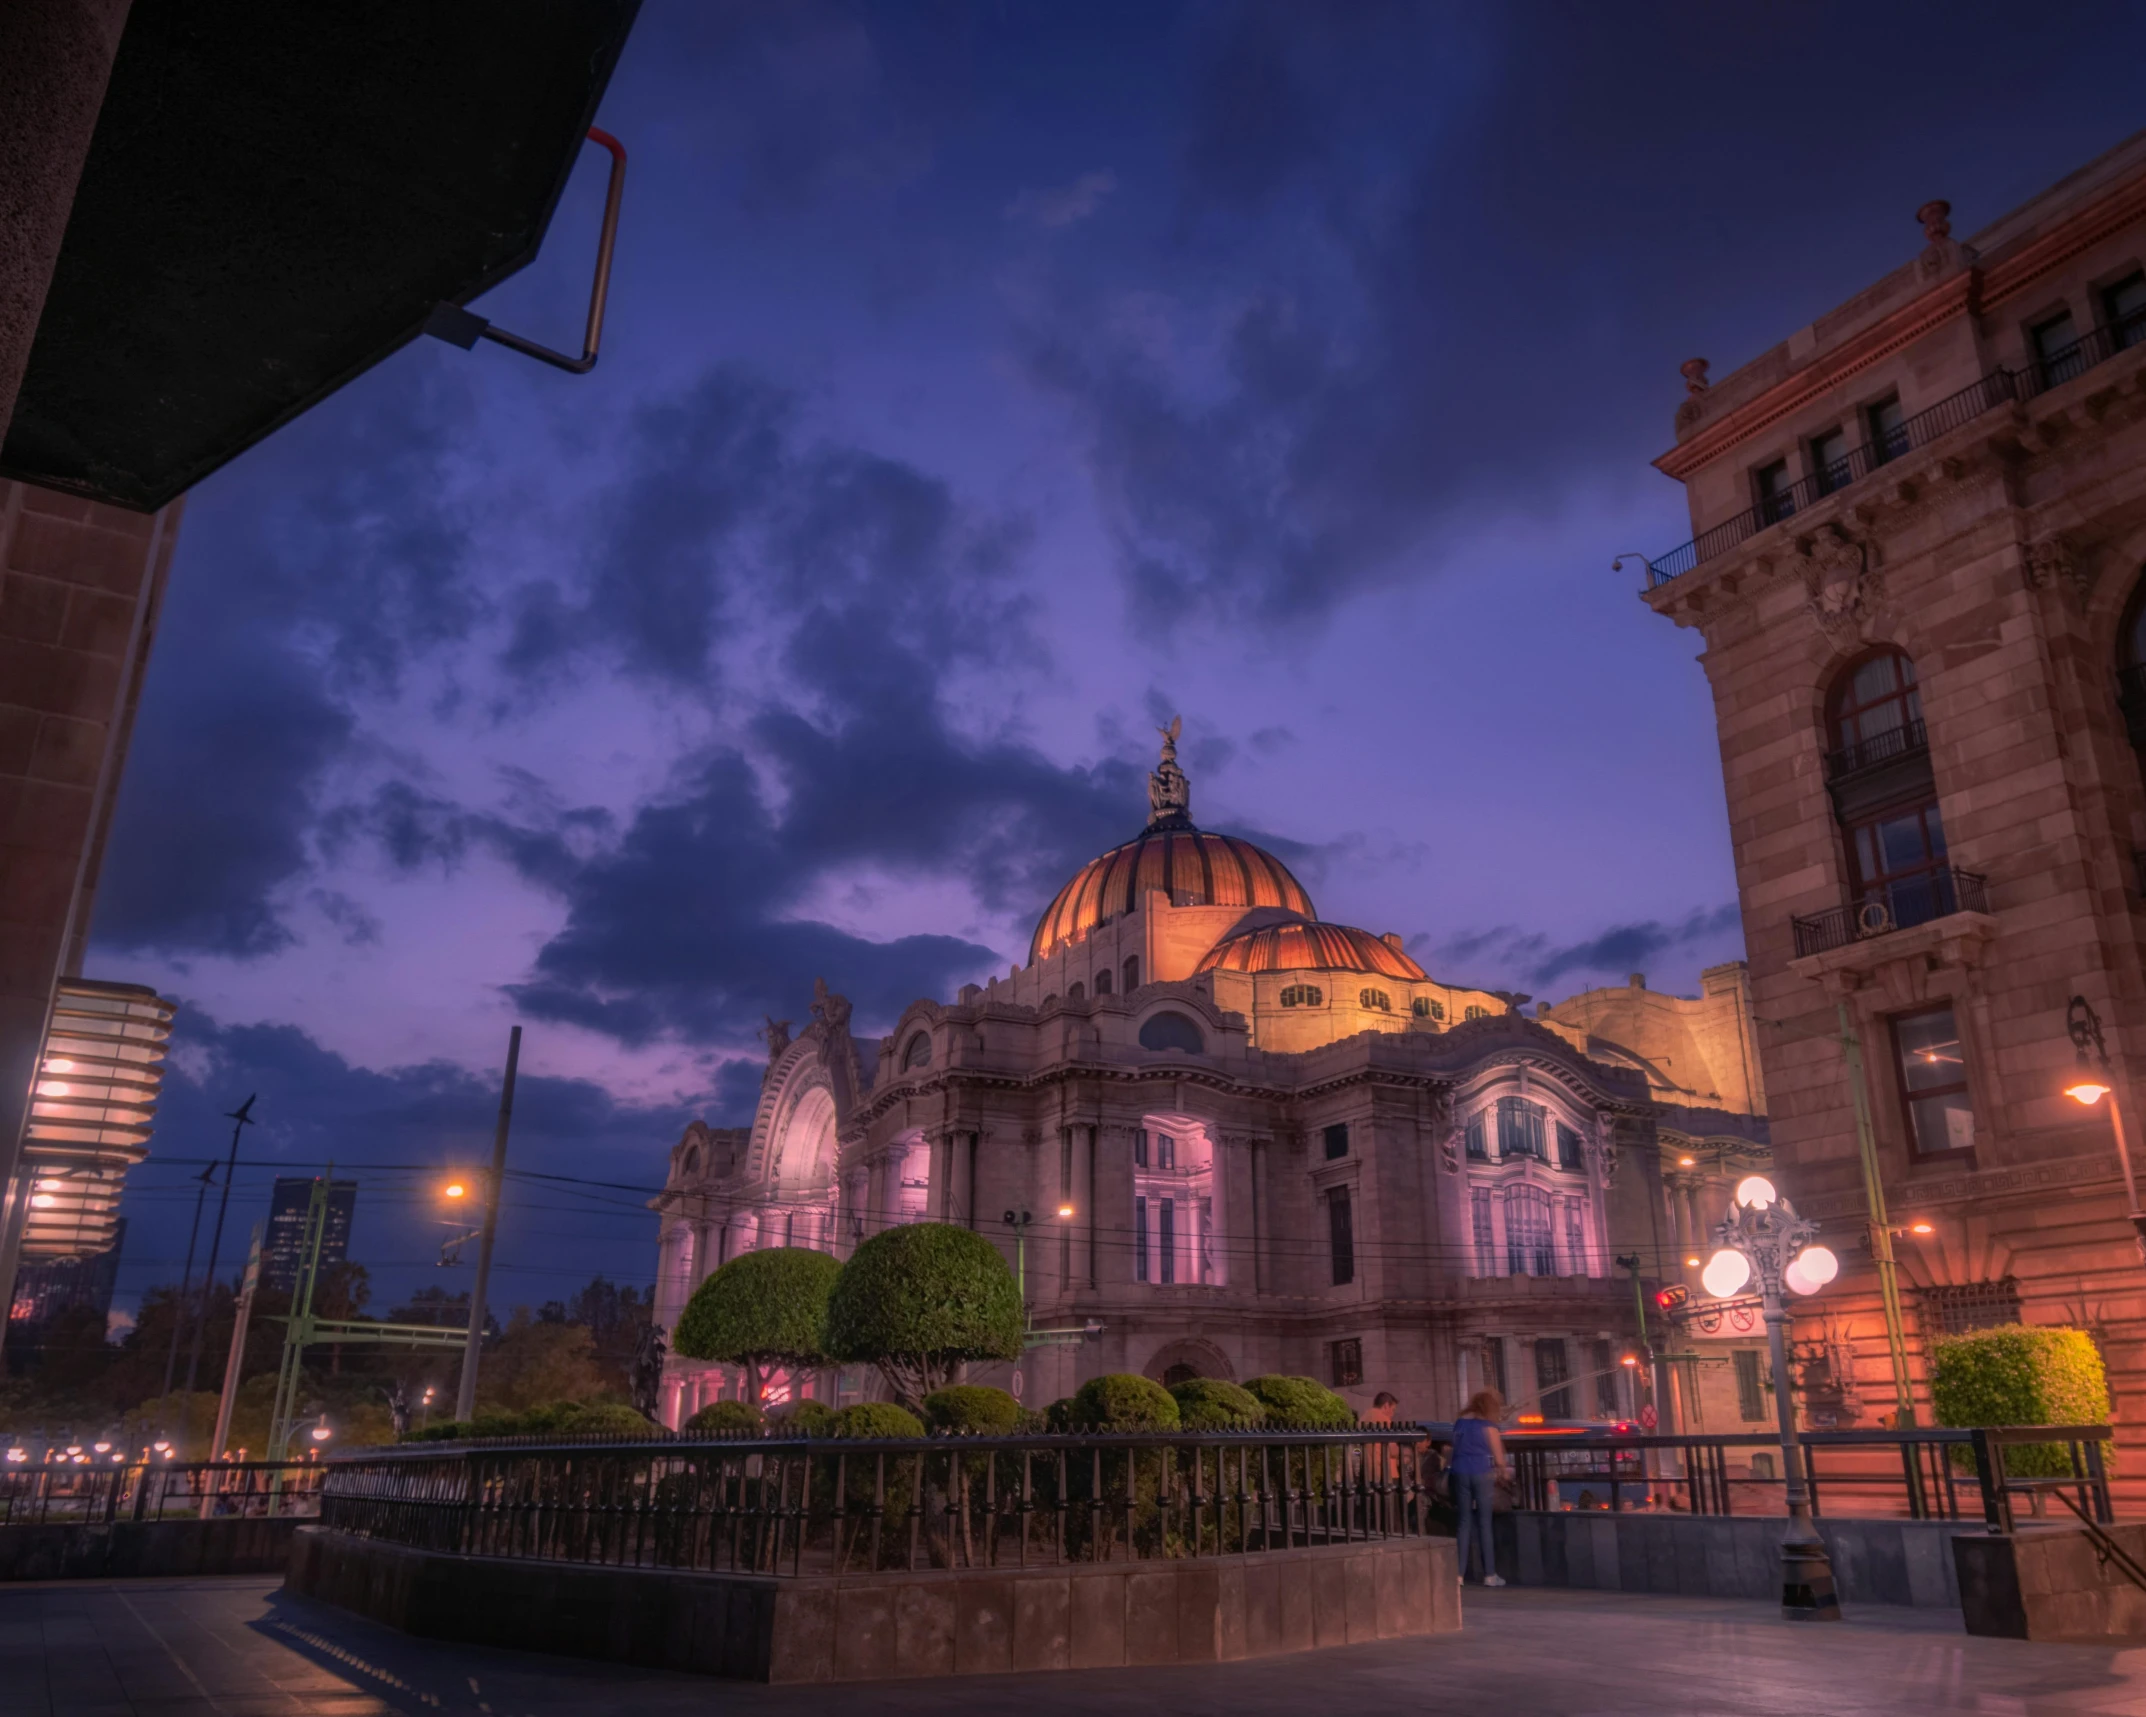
(1505, 955)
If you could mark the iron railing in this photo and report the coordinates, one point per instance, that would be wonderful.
(1900, 904)
(1922, 1474)
(159, 1490)
(789, 1506)
(1887, 747)
(1998, 387)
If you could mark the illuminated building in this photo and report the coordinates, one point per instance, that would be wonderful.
(283, 1247)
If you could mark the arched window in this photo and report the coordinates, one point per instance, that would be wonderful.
(1475, 1012)
(692, 1159)
(1132, 973)
(1885, 796)
(1376, 1000)
(1078, 992)
(1303, 996)
(917, 1052)
(1102, 982)
(1171, 1031)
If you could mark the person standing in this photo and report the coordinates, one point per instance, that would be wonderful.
(1478, 1464)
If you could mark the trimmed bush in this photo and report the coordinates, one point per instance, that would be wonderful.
(1300, 1404)
(975, 1409)
(921, 1300)
(1058, 1416)
(727, 1416)
(2023, 1374)
(808, 1419)
(877, 1419)
(761, 1310)
(1124, 1401)
(1211, 1404)
(607, 1419)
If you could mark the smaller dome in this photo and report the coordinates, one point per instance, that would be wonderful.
(1306, 945)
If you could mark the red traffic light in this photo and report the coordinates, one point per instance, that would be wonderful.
(1673, 1298)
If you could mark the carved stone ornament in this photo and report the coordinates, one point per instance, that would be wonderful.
(1693, 370)
(1845, 589)
(2052, 565)
(1605, 1148)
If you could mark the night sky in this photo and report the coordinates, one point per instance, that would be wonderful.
(982, 386)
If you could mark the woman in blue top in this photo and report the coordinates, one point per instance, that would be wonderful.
(1478, 1464)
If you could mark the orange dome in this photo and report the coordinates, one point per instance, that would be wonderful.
(1191, 866)
(1309, 947)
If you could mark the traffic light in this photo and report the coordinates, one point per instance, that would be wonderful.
(1673, 1297)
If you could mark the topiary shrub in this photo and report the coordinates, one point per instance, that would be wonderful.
(973, 1409)
(607, 1419)
(877, 1419)
(727, 1417)
(2023, 1374)
(1123, 1401)
(1058, 1416)
(807, 1419)
(762, 1309)
(921, 1300)
(1212, 1404)
(1300, 1404)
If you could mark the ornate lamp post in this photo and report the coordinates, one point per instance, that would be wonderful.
(2094, 1081)
(1763, 1239)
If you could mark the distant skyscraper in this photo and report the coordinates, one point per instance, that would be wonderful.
(283, 1251)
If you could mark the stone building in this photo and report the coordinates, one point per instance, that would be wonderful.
(1220, 1137)
(1919, 525)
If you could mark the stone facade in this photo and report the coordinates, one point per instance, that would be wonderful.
(1244, 1142)
(1919, 526)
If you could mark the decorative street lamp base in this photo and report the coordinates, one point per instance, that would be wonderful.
(1807, 1593)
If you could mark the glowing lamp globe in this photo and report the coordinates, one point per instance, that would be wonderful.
(2086, 1089)
(1755, 1192)
(1726, 1272)
(1810, 1270)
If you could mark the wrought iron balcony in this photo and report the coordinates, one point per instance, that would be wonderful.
(1999, 387)
(1897, 905)
(1887, 747)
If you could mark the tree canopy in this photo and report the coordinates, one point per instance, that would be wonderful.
(762, 1309)
(919, 1302)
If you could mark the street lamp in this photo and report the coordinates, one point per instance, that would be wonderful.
(2094, 1081)
(1763, 1237)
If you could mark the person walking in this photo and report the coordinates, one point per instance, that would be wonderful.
(1478, 1464)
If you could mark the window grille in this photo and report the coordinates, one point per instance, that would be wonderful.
(1348, 1358)
(1529, 1250)
(1965, 1306)
(1520, 1128)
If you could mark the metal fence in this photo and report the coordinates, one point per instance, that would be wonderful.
(157, 1490)
(784, 1506)
(1900, 904)
(1922, 1474)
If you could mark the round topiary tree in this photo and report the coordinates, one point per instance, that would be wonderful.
(807, 1419)
(877, 1419)
(974, 1409)
(607, 1419)
(727, 1416)
(1212, 1404)
(922, 1300)
(1124, 1401)
(1300, 1404)
(762, 1309)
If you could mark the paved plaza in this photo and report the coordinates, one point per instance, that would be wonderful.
(239, 1648)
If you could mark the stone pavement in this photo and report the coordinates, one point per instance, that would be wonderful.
(238, 1648)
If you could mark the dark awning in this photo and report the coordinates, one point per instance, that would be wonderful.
(276, 197)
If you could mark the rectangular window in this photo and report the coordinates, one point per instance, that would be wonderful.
(2124, 304)
(1337, 1141)
(1140, 1239)
(1529, 1249)
(1348, 1358)
(1478, 1138)
(1776, 498)
(2057, 352)
(1750, 1386)
(1569, 1153)
(1933, 1082)
(1520, 1128)
(1888, 429)
(1602, 1361)
(1486, 1241)
(1575, 1237)
(1341, 1235)
(1552, 1368)
(1140, 1148)
(1829, 460)
(1166, 1237)
(1494, 1363)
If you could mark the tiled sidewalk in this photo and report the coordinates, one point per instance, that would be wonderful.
(238, 1648)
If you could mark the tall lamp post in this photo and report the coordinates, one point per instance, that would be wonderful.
(2094, 1081)
(1762, 1237)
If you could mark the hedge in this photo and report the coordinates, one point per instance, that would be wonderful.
(727, 1416)
(1300, 1404)
(1124, 1401)
(608, 1419)
(877, 1419)
(2022, 1374)
(1213, 1404)
(807, 1419)
(921, 1300)
(974, 1408)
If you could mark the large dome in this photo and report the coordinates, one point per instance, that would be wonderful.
(1191, 866)
(1306, 946)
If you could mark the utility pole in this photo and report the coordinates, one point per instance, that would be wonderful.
(466, 1396)
(241, 1118)
(300, 1330)
(1881, 1232)
(242, 1316)
(186, 1283)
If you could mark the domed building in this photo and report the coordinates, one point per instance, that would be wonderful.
(1246, 1140)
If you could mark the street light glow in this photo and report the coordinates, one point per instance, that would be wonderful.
(2086, 1089)
(455, 1189)
(1755, 1192)
(1065, 1210)
(1921, 1228)
(1810, 1270)
(1725, 1273)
